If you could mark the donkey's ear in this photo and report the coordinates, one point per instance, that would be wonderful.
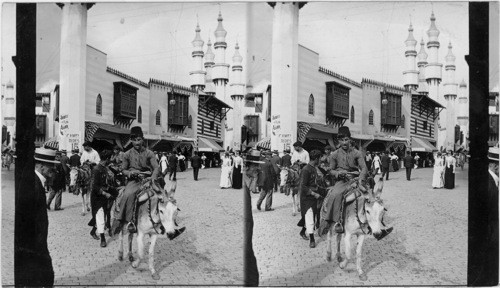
(377, 190)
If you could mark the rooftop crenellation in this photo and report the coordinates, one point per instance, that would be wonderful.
(331, 73)
(373, 82)
(128, 77)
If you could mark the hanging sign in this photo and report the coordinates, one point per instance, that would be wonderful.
(285, 141)
(73, 140)
(276, 124)
(63, 124)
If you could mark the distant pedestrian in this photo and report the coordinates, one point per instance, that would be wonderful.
(203, 161)
(417, 160)
(65, 165)
(437, 176)
(57, 185)
(409, 163)
(164, 163)
(368, 160)
(196, 164)
(300, 154)
(172, 166)
(182, 163)
(394, 161)
(266, 183)
(376, 163)
(449, 171)
(275, 160)
(74, 160)
(237, 171)
(226, 170)
(386, 162)
(286, 160)
(89, 154)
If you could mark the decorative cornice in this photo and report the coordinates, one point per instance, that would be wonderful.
(172, 85)
(125, 76)
(336, 75)
(382, 84)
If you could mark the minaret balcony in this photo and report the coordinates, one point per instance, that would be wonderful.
(432, 44)
(198, 53)
(220, 71)
(410, 53)
(450, 67)
(221, 44)
(433, 71)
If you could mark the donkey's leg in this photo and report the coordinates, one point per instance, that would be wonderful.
(329, 245)
(140, 249)
(83, 203)
(130, 240)
(120, 246)
(154, 274)
(298, 198)
(337, 244)
(347, 245)
(294, 207)
(359, 247)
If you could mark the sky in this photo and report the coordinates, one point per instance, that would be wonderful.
(153, 40)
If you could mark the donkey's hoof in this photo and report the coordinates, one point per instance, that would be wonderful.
(135, 264)
(329, 256)
(131, 258)
(120, 257)
(363, 277)
(88, 209)
(339, 258)
(343, 264)
(155, 276)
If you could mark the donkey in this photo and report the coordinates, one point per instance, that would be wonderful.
(363, 216)
(289, 177)
(156, 218)
(79, 182)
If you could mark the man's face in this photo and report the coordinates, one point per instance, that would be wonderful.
(137, 142)
(345, 143)
(87, 148)
(47, 170)
(297, 148)
(328, 151)
(494, 167)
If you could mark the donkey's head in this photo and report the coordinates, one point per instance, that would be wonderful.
(374, 207)
(167, 205)
(73, 177)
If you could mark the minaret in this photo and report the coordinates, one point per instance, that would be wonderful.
(72, 71)
(411, 74)
(10, 112)
(209, 64)
(422, 62)
(220, 72)
(450, 95)
(197, 76)
(237, 94)
(463, 111)
(433, 68)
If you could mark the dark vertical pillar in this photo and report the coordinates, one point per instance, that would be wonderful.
(482, 252)
(32, 263)
(250, 270)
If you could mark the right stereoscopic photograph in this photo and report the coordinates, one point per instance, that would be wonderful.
(368, 125)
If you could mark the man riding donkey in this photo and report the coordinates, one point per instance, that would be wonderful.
(136, 164)
(346, 162)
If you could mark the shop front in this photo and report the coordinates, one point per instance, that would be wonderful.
(315, 135)
(211, 149)
(425, 151)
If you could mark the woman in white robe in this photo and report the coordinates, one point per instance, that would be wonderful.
(225, 176)
(438, 176)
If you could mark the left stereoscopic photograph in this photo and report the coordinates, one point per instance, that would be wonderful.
(118, 164)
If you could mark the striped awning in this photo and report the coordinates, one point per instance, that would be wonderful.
(208, 145)
(422, 145)
(52, 143)
(264, 143)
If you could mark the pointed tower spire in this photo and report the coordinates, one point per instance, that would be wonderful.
(422, 62)
(221, 68)
(209, 64)
(434, 68)
(197, 76)
(411, 73)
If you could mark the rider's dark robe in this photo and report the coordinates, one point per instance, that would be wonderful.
(100, 181)
(308, 183)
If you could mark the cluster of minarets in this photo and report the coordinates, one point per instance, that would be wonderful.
(428, 78)
(214, 79)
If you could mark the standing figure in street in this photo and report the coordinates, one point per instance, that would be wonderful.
(368, 161)
(237, 171)
(203, 161)
(395, 163)
(266, 183)
(225, 180)
(308, 198)
(449, 171)
(137, 160)
(275, 161)
(409, 163)
(250, 171)
(196, 164)
(74, 160)
(182, 163)
(101, 190)
(35, 259)
(172, 166)
(417, 160)
(438, 175)
(164, 163)
(300, 154)
(376, 163)
(58, 185)
(65, 165)
(89, 154)
(386, 162)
